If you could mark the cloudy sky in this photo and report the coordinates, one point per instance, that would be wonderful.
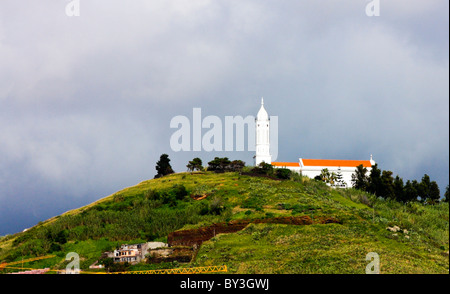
(86, 101)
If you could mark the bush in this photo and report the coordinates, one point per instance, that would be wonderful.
(112, 266)
(216, 206)
(283, 173)
(296, 177)
(179, 191)
(152, 194)
(236, 166)
(263, 169)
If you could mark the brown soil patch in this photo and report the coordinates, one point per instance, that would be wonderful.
(195, 237)
(199, 197)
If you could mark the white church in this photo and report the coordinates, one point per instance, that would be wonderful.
(307, 167)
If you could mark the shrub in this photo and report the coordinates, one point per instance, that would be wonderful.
(283, 173)
(296, 177)
(236, 166)
(216, 206)
(179, 191)
(263, 168)
(152, 194)
(112, 266)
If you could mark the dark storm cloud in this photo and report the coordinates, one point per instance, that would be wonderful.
(86, 102)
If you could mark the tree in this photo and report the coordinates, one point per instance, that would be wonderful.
(236, 165)
(263, 169)
(424, 188)
(387, 185)
(399, 189)
(428, 190)
(163, 166)
(195, 164)
(218, 164)
(410, 191)
(340, 179)
(446, 194)
(327, 177)
(360, 180)
(417, 188)
(374, 183)
(435, 194)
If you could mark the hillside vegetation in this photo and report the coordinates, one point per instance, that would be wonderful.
(153, 209)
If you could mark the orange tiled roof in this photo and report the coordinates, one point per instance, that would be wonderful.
(285, 164)
(335, 162)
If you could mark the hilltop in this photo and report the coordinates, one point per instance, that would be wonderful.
(251, 224)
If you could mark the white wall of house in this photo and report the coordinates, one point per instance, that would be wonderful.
(313, 171)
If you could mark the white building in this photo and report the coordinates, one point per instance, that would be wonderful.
(307, 167)
(262, 127)
(133, 253)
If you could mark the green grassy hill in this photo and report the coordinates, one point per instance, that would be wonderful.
(153, 209)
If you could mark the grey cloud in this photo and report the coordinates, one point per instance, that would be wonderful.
(86, 102)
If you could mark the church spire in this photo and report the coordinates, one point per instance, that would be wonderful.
(262, 136)
(262, 113)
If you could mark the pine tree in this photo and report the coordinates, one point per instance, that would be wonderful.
(399, 189)
(387, 185)
(163, 166)
(195, 164)
(374, 183)
(435, 194)
(410, 191)
(340, 179)
(424, 188)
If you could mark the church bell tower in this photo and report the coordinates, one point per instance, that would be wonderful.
(262, 127)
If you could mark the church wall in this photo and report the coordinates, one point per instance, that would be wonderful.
(313, 171)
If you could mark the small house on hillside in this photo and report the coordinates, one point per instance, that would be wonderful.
(134, 253)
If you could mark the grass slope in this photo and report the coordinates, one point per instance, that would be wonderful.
(154, 208)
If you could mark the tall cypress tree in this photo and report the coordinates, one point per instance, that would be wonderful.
(435, 194)
(399, 189)
(374, 185)
(446, 194)
(163, 166)
(410, 191)
(387, 185)
(424, 188)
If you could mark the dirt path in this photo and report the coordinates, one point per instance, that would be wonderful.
(196, 237)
